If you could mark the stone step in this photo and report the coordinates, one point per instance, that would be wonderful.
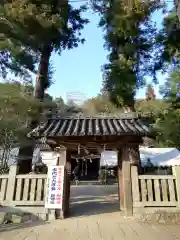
(94, 183)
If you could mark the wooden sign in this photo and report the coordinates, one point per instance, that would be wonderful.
(55, 184)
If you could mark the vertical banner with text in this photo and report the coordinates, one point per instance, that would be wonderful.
(55, 184)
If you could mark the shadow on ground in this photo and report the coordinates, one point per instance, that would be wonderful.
(85, 201)
(93, 200)
(16, 226)
(14, 219)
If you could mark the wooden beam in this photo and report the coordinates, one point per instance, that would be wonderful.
(89, 156)
(100, 139)
(97, 145)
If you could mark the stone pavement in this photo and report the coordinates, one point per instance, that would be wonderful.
(95, 215)
(109, 226)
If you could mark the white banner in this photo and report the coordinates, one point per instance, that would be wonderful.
(55, 183)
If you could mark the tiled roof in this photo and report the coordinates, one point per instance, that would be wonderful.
(108, 126)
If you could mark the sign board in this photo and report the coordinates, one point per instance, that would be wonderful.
(108, 158)
(55, 183)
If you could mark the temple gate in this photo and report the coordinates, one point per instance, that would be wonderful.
(78, 135)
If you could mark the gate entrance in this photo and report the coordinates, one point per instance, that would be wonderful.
(88, 200)
(89, 168)
(82, 136)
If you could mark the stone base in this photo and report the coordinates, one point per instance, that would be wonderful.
(160, 217)
(14, 217)
(110, 182)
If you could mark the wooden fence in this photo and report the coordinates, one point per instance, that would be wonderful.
(24, 192)
(155, 192)
(150, 193)
(3, 188)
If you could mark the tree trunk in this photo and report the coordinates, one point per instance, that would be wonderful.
(129, 107)
(26, 152)
(42, 75)
(177, 6)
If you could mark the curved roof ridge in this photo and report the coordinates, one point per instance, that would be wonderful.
(130, 115)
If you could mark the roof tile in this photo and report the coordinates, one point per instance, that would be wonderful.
(90, 127)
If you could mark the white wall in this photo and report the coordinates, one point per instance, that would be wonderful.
(48, 158)
(160, 156)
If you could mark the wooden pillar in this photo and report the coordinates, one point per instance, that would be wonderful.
(64, 160)
(120, 184)
(67, 186)
(135, 156)
(126, 182)
(129, 156)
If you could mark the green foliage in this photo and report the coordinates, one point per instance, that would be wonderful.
(169, 89)
(167, 59)
(17, 107)
(148, 109)
(99, 104)
(169, 129)
(129, 36)
(4, 169)
(167, 54)
(168, 126)
(27, 26)
(152, 109)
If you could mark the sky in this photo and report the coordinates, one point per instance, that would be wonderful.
(78, 72)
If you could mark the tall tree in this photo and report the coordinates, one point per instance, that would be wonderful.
(167, 54)
(167, 59)
(177, 6)
(31, 31)
(16, 109)
(129, 36)
(150, 94)
(98, 105)
(168, 126)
